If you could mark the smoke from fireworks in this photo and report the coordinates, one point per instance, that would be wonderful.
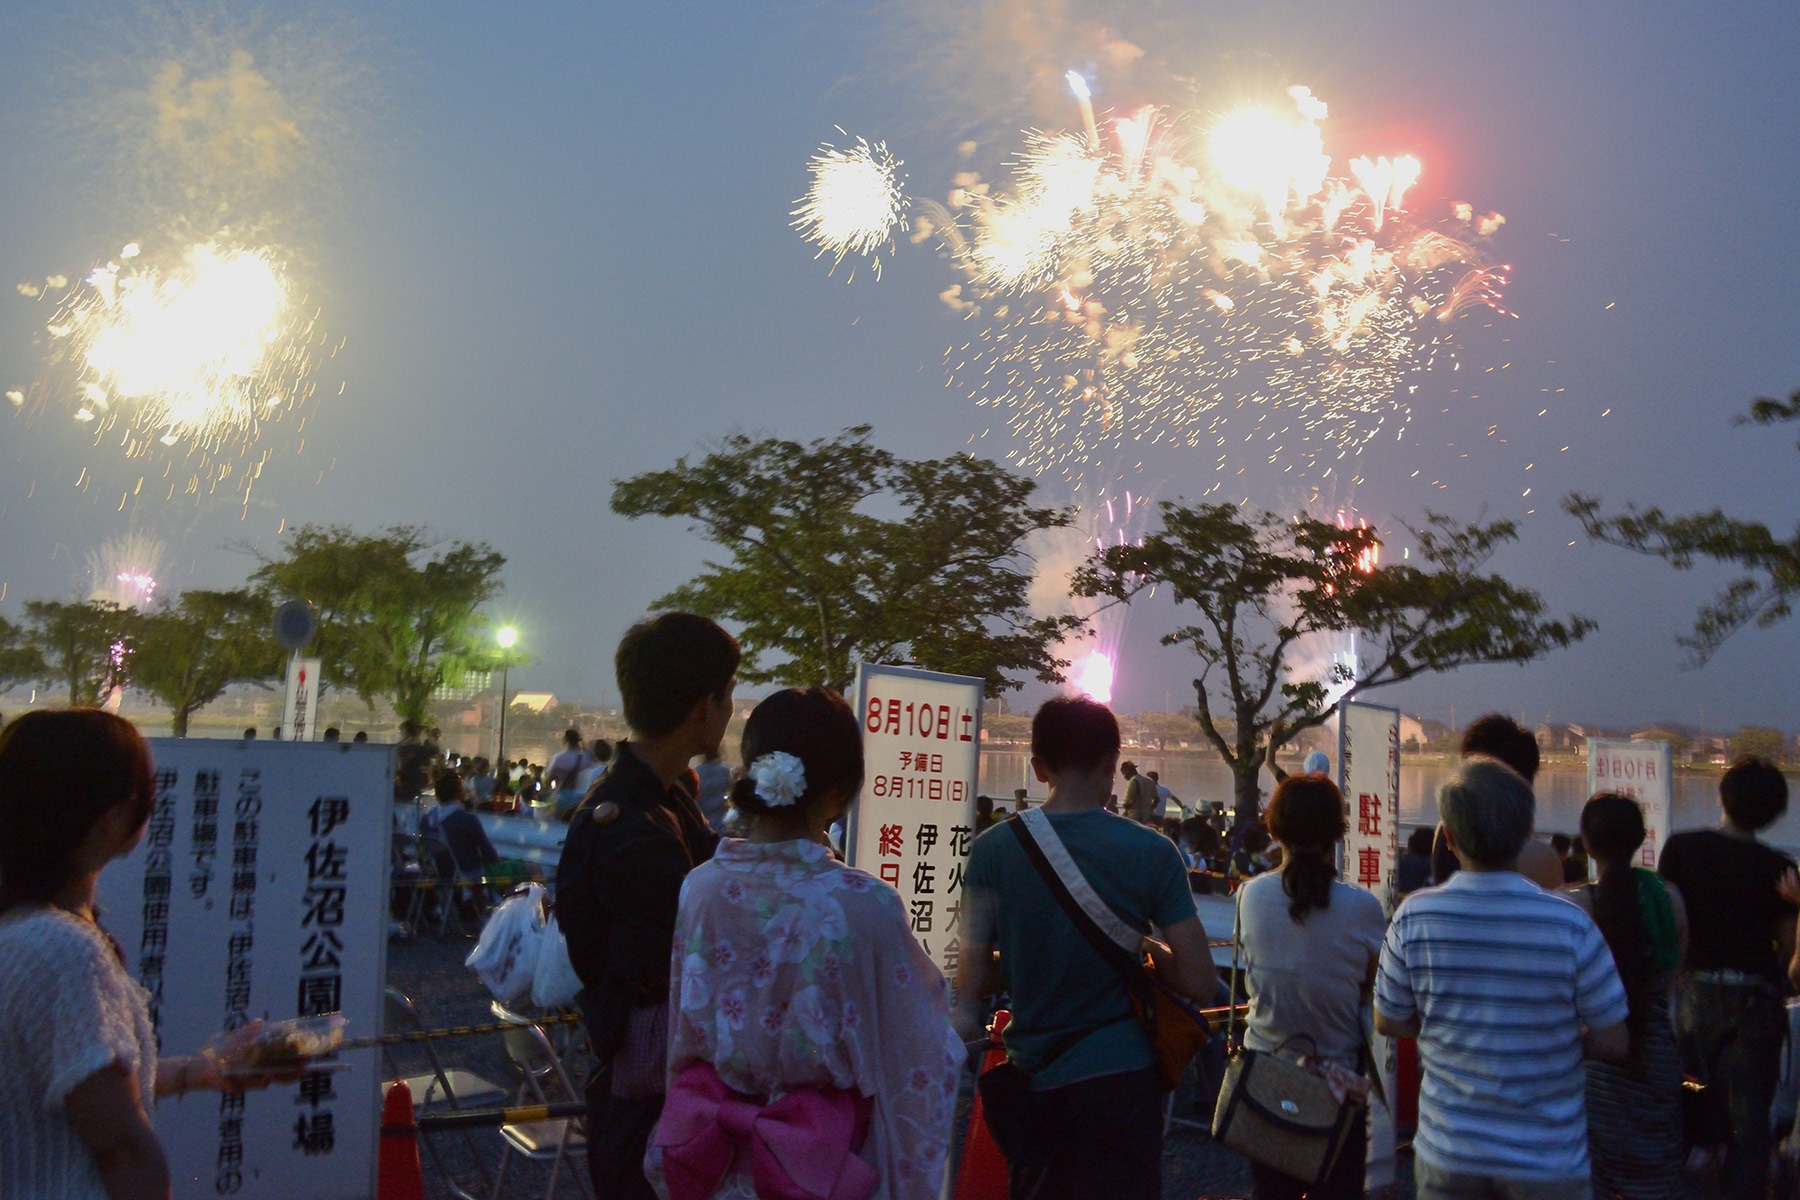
(1226, 291)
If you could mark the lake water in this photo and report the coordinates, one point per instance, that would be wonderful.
(1560, 792)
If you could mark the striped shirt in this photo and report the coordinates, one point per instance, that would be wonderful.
(1501, 976)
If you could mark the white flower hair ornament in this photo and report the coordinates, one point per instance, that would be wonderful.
(780, 778)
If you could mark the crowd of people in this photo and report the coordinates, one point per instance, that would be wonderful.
(765, 1023)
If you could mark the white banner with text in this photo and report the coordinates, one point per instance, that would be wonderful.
(260, 889)
(913, 822)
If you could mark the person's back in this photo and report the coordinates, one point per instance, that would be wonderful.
(1741, 934)
(412, 764)
(1309, 944)
(1413, 871)
(715, 788)
(1070, 1014)
(1091, 1125)
(1497, 978)
(467, 839)
(1733, 906)
(1140, 794)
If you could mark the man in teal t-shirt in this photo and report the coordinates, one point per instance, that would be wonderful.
(1096, 1102)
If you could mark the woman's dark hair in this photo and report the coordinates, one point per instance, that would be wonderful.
(1419, 841)
(1306, 815)
(816, 726)
(59, 772)
(1753, 793)
(1613, 827)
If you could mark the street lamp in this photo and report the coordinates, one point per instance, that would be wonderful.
(508, 637)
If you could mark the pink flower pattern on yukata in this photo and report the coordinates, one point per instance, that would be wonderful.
(792, 970)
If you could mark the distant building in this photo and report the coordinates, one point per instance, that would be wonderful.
(1554, 736)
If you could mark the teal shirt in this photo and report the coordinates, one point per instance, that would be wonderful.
(1064, 995)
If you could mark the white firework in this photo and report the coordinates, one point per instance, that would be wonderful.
(855, 204)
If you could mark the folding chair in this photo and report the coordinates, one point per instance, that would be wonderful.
(542, 1079)
(439, 1089)
(435, 851)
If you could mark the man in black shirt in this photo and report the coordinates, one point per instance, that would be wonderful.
(1741, 935)
(618, 885)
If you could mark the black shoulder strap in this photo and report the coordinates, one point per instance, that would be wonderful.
(1115, 956)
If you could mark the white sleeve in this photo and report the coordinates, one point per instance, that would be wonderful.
(85, 1013)
(908, 1054)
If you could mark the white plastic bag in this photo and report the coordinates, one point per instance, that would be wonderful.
(506, 954)
(555, 983)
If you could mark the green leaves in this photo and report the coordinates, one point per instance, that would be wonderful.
(83, 645)
(1764, 595)
(398, 617)
(841, 552)
(1263, 585)
(188, 653)
(20, 661)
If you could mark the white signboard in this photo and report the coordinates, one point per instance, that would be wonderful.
(260, 890)
(915, 818)
(1369, 776)
(300, 710)
(1639, 770)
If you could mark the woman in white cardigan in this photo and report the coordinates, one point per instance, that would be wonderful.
(79, 1070)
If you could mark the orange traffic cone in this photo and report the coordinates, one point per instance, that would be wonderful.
(400, 1177)
(982, 1175)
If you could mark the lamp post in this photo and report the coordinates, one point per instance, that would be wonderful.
(507, 637)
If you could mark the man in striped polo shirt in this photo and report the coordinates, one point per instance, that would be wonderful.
(1507, 987)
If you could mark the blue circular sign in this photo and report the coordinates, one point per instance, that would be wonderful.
(295, 624)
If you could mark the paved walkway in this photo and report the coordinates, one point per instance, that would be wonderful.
(431, 972)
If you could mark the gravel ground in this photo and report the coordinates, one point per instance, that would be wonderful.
(430, 972)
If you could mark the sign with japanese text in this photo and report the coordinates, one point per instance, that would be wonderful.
(300, 708)
(1640, 770)
(260, 889)
(1369, 776)
(915, 818)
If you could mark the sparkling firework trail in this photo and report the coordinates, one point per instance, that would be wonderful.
(1246, 301)
(855, 204)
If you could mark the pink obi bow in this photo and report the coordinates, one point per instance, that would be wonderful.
(802, 1147)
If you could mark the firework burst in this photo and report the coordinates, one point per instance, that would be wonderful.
(855, 205)
(1205, 284)
(199, 350)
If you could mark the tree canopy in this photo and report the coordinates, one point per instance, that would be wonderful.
(839, 552)
(20, 661)
(1763, 595)
(1270, 589)
(81, 645)
(187, 653)
(399, 614)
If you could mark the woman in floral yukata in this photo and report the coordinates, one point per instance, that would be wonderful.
(810, 1051)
